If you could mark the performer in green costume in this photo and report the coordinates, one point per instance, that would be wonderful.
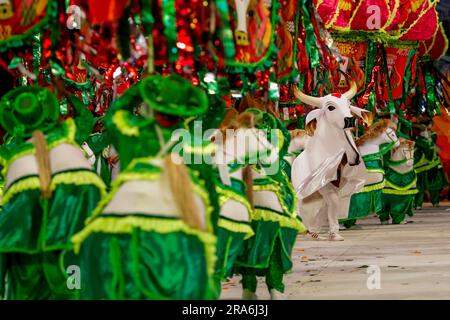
(152, 235)
(368, 200)
(233, 223)
(274, 217)
(400, 190)
(223, 180)
(378, 140)
(50, 190)
(428, 166)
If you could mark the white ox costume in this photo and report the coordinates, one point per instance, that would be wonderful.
(330, 155)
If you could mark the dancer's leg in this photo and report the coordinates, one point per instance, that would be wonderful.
(434, 196)
(249, 280)
(274, 275)
(398, 217)
(332, 200)
(26, 279)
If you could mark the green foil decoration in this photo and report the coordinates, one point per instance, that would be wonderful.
(227, 34)
(310, 41)
(170, 29)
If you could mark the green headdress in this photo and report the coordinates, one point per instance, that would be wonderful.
(173, 95)
(27, 109)
(263, 119)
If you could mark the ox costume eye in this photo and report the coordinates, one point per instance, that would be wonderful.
(331, 108)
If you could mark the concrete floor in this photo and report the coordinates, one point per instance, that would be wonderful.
(413, 259)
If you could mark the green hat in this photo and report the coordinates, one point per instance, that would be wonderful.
(27, 109)
(264, 119)
(173, 95)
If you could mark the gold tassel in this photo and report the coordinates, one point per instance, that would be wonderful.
(43, 163)
(181, 187)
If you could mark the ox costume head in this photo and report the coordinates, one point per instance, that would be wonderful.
(335, 107)
(336, 111)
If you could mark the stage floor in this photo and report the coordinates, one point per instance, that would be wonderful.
(413, 261)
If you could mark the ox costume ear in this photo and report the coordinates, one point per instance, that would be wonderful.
(366, 115)
(313, 115)
(311, 120)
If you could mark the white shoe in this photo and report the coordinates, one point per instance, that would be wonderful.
(249, 295)
(315, 236)
(277, 295)
(335, 237)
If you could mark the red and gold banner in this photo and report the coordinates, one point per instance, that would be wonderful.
(327, 9)
(284, 40)
(396, 20)
(336, 14)
(397, 60)
(252, 28)
(353, 64)
(346, 8)
(422, 21)
(400, 17)
(437, 46)
(19, 18)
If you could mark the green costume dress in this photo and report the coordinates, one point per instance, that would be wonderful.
(231, 232)
(137, 246)
(230, 227)
(145, 255)
(399, 193)
(368, 201)
(430, 175)
(35, 228)
(268, 252)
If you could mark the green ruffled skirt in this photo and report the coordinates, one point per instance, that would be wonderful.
(34, 232)
(29, 224)
(229, 246)
(397, 206)
(362, 204)
(126, 257)
(432, 180)
(39, 276)
(436, 179)
(267, 226)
